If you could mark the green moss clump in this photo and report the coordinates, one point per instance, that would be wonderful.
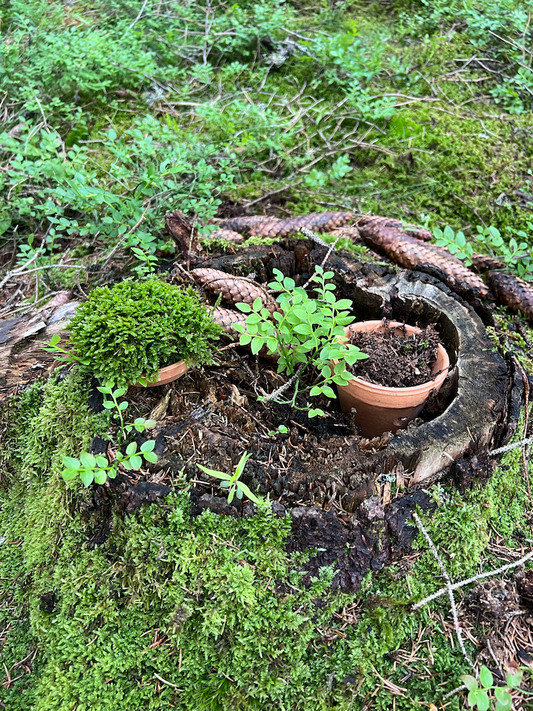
(134, 328)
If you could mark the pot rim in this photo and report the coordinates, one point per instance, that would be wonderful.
(385, 389)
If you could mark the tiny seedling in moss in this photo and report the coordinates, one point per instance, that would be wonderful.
(231, 481)
(478, 690)
(90, 467)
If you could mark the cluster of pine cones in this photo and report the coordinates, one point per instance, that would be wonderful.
(407, 246)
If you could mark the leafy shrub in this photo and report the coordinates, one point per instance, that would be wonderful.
(137, 327)
(305, 333)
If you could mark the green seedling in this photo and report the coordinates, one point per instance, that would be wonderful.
(231, 481)
(478, 690)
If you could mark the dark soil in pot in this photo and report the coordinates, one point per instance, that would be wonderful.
(394, 360)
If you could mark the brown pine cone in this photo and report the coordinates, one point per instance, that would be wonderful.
(513, 292)
(234, 290)
(227, 318)
(370, 224)
(484, 263)
(228, 235)
(410, 252)
(351, 233)
(318, 222)
(245, 223)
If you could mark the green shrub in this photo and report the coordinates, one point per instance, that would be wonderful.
(137, 327)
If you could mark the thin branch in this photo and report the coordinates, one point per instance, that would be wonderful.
(449, 590)
(135, 21)
(474, 579)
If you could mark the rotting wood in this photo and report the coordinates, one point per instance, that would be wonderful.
(22, 358)
(183, 234)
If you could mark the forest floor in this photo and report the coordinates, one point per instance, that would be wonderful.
(114, 113)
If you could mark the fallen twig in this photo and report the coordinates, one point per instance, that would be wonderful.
(449, 590)
(474, 579)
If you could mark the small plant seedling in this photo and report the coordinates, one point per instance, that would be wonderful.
(478, 690)
(231, 481)
(90, 467)
(282, 429)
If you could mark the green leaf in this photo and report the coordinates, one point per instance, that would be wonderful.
(256, 346)
(485, 677)
(328, 392)
(315, 412)
(149, 424)
(148, 446)
(243, 488)
(514, 680)
(109, 404)
(303, 328)
(55, 339)
(257, 305)
(231, 495)
(150, 457)
(123, 405)
(88, 461)
(213, 472)
(71, 463)
(119, 392)
(69, 474)
(316, 390)
(104, 390)
(87, 477)
(101, 461)
(245, 308)
(504, 699)
(112, 473)
(224, 484)
(239, 493)
(245, 339)
(100, 476)
(136, 461)
(479, 698)
(343, 304)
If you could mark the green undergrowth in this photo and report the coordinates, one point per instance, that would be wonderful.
(214, 606)
(116, 117)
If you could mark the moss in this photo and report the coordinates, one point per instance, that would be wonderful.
(197, 602)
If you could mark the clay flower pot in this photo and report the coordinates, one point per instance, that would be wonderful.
(381, 409)
(168, 374)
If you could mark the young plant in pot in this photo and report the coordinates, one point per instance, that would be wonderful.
(140, 332)
(305, 335)
(405, 365)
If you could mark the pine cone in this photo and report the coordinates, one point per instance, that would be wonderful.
(484, 263)
(410, 252)
(234, 290)
(318, 222)
(374, 223)
(245, 223)
(227, 318)
(228, 235)
(351, 233)
(513, 292)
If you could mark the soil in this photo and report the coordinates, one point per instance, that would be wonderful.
(396, 360)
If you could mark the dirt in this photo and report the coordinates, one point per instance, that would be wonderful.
(396, 359)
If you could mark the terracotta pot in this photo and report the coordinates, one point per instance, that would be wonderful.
(381, 409)
(168, 374)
